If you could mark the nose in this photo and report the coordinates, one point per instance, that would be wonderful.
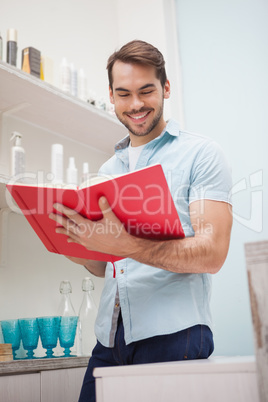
(136, 102)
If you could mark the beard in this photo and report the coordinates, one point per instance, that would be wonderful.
(142, 133)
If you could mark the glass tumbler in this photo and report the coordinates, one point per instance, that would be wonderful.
(30, 335)
(67, 333)
(12, 334)
(49, 328)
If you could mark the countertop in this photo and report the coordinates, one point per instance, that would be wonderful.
(37, 365)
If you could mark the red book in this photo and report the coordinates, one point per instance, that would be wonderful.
(141, 200)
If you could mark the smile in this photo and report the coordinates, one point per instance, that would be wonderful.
(140, 117)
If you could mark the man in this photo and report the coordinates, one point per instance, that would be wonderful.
(156, 309)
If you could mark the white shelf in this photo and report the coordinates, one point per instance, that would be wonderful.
(33, 100)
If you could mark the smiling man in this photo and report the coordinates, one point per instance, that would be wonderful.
(156, 309)
(138, 97)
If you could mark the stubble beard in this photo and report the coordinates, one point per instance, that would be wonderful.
(152, 126)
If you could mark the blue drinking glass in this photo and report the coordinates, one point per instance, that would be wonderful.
(30, 335)
(67, 333)
(49, 328)
(11, 333)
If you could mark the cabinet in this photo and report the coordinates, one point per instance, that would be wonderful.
(20, 388)
(231, 379)
(51, 380)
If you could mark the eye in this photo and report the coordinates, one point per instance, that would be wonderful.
(123, 95)
(146, 92)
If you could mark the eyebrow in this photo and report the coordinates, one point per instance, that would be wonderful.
(140, 89)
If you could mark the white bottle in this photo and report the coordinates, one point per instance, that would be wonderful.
(82, 85)
(86, 174)
(17, 155)
(72, 172)
(57, 163)
(73, 73)
(86, 320)
(65, 76)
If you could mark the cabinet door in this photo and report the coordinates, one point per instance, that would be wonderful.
(20, 388)
(61, 385)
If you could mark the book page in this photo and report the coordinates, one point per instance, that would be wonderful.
(96, 180)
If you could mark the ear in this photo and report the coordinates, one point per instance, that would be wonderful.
(111, 95)
(167, 90)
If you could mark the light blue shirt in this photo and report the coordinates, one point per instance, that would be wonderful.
(154, 301)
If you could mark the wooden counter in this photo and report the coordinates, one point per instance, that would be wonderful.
(36, 365)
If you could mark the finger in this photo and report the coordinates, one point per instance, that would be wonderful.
(70, 213)
(72, 237)
(112, 221)
(105, 207)
(67, 226)
(65, 210)
(58, 218)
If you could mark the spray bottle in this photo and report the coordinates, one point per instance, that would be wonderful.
(72, 172)
(17, 155)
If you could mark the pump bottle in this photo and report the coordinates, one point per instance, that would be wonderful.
(17, 155)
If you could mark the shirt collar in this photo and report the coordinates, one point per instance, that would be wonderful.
(172, 128)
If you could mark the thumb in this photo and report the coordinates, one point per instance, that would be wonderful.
(104, 206)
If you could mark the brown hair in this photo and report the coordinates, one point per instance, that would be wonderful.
(139, 52)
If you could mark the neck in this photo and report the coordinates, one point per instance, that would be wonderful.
(137, 140)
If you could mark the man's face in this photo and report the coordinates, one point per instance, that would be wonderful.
(138, 98)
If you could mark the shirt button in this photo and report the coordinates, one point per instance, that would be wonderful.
(117, 305)
(122, 271)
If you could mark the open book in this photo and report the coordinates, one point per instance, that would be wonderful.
(141, 200)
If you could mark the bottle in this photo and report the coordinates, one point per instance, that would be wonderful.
(12, 47)
(72, 172)
(1, 47)
(82, 85)
(69, 319)
(73, 73)
(85, 174)
(66, 308)
(86, 320)
(17, 155)
(57, 163)
(65, 76)
(46, 69)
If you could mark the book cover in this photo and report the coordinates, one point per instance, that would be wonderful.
(141, 200)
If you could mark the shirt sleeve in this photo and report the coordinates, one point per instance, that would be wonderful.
(211, 175)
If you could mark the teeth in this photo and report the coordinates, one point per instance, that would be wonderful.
(139, 117)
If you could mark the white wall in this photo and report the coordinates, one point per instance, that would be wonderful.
(223, 50)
